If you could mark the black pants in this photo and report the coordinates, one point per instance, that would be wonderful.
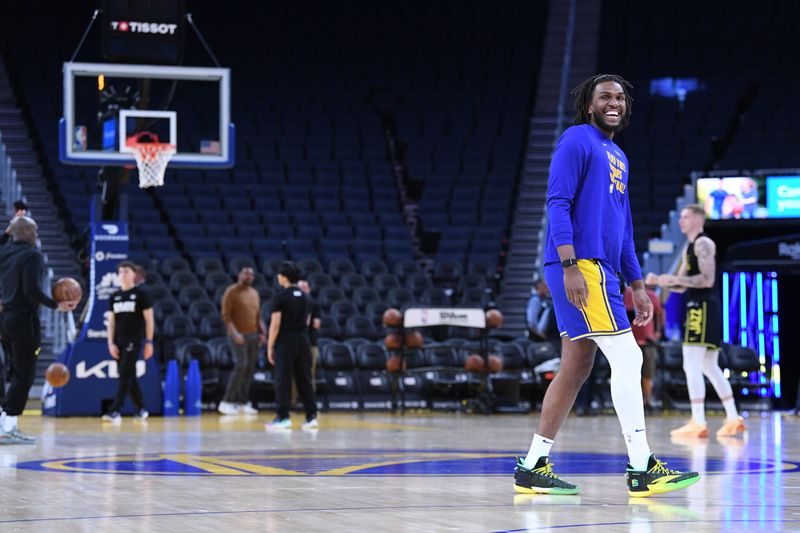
(245, 358)
(126, 368)
(23, 335)
(293, 359)
(5, 364)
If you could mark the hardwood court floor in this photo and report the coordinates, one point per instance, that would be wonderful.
(379, 472)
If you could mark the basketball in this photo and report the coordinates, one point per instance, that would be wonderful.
(494, 318)
(414, 339)
(474, 363)
(393, 341)
(392, 318)
(57, 374)
(67, 290)
(393, 364)
(495, 364)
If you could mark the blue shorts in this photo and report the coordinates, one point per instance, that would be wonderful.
(605, 313)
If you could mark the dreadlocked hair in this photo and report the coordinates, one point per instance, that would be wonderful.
(583, 97)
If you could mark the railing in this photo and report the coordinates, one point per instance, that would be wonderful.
(561, 119)
(57, 326)
(10, 189)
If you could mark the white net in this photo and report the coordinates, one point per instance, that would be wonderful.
(152, 160)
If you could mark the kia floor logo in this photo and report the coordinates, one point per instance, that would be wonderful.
(105, 370)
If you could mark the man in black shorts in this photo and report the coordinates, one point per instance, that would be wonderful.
(129, 324)
(702, 328)
(21, 272)
(288, 349)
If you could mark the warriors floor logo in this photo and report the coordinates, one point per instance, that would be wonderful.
(381, 462)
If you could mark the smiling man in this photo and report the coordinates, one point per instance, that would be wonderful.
(589, 240)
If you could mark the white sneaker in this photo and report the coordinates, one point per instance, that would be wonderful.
(15, 436)
(227, 408)
(311, 424)
(113, 417)
(248, 409)
(280, 423)
(141, 414)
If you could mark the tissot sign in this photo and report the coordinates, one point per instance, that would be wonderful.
(143, 27)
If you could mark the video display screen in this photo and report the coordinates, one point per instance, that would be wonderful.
(744, 197)
(732, 198)
(783, 196)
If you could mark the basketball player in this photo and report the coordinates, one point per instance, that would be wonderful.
(21, 272)
(590, 239)
(702, 328)
(130, 321)
(288, 349)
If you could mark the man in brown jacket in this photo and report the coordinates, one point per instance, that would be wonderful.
(246, 330)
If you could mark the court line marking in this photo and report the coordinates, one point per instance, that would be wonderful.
(699, 521)
(254, 511)
(223, 463)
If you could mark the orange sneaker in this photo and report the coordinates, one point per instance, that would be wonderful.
(691, 429)
(732, 427)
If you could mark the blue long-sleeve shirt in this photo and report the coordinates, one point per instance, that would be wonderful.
(588, 203)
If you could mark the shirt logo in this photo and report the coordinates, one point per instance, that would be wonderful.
(124, 307)
(616, 169)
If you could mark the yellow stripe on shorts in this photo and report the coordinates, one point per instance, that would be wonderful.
(597, 313)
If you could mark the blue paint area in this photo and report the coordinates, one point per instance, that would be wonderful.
(139, 467)
(380, 462)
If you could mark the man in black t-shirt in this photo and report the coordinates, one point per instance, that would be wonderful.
(288, 349)
(130, 321)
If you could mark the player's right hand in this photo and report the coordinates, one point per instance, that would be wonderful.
(575, 287)
(113, 350)
(238, 339)
(67, 305)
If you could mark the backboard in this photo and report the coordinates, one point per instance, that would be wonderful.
(106, 104)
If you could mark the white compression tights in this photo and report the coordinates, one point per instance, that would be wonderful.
(697, 362)
(625, 359)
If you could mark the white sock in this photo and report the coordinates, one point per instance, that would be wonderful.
(9, 423)
(730, 409)
(540, 447)
(625, 359)
(699, 412)
(693, 361)
(721, 385)
(638, 449)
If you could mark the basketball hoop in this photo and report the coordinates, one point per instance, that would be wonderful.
(151, 158)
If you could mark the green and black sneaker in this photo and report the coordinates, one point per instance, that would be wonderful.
(540, 479)
(657, 479)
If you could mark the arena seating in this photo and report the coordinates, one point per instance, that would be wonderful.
(340, 147)
(739, 118)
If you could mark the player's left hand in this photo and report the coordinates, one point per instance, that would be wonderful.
(644, 308)
(148, 351)
(271, 356)
(667, 280)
